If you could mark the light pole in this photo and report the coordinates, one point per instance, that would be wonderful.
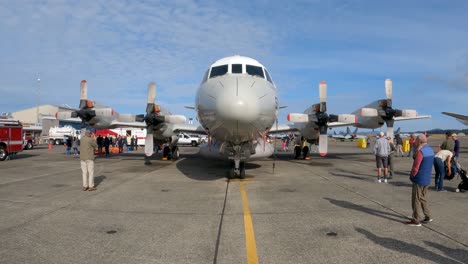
(38, 93)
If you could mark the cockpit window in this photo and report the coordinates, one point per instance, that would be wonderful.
(218, 71)
(268, 76)
(255, 71)
(236, 68)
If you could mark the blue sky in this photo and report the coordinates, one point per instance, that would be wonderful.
(120, 46)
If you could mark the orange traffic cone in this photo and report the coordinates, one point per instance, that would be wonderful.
(334, 142)
(50, 146)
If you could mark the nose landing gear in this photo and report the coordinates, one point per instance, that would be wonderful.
(236, 169)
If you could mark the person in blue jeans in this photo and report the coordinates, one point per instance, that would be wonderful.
(442, 157)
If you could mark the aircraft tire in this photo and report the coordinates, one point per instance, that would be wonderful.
(166, 151)
(175, 153)
(297, 152)
(305, 152)
(242, 170)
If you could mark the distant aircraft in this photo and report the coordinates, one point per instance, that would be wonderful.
(381, 112)
(346, 136)
(461, 118)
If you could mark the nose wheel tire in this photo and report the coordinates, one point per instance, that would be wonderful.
(242, 170)
(233, 173)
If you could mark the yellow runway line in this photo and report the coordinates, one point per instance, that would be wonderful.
(250, 244)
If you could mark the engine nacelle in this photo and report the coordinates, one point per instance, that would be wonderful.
(347, 118)
(63, 115)
(369, 112)
(126, 118)
(409, 113)
(175, 119)
(298, 118)
(107, 112)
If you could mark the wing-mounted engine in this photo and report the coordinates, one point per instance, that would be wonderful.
(155, 119)
(384, 109)
(88, 111)
(318, 115)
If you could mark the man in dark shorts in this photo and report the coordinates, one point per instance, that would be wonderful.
(381, 151)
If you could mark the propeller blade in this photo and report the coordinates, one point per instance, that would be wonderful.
(323, 92)
(83, 90)
(298, 118)
(151, 93)
(369, 112)
(390, 128)
(149, 144)
(175, 119)
(388, 89)
(323, 144)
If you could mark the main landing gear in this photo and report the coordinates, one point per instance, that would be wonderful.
(236, 169)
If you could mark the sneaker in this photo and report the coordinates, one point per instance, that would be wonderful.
(385, 180)
(427, 220)
(413, 223)
(378, 180)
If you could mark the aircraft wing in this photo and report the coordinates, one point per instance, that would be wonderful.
(457, 116)
(117, 124)
(401, 118)
(187, 128)
(339, 124)
(461, 118)
(282, 129)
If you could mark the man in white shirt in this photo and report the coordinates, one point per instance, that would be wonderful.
(439, 165)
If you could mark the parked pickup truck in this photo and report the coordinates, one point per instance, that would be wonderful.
(185, 139)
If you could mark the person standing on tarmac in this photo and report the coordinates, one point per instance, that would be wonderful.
(87, 147)
(412, 145)
(107, 145)
(391, 156)
(421, 177)
(399, 144)
(448, 144)
(381, 151)
(456, 148)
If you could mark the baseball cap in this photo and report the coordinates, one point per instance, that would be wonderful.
(382, 134)
(454, 135)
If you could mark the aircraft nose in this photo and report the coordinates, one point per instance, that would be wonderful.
(238, 107)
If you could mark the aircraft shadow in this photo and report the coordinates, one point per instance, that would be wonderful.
(198, 168)
(348, 205)
(404, 247)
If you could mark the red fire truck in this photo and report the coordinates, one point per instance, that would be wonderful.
(11, 137)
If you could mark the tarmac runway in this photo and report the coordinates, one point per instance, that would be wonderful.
(322, 210)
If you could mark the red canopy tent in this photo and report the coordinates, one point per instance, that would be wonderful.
(105, 132)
